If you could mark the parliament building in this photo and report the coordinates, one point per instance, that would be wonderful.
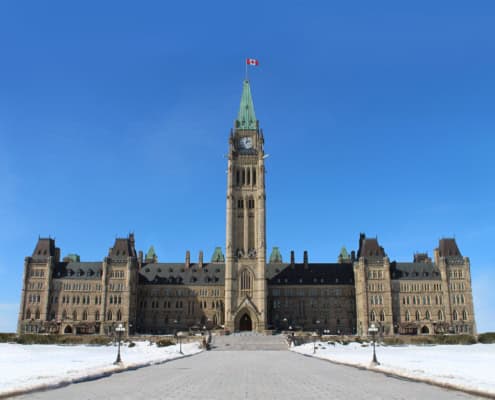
(241, 288)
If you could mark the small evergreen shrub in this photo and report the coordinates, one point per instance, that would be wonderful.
(488, 337)
(164, 343)
(7, 337)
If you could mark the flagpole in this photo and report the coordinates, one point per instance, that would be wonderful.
(246, 75)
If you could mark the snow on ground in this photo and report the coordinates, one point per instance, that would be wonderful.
(26, 367)
(465, 366)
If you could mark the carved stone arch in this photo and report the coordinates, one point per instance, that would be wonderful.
(244, 315)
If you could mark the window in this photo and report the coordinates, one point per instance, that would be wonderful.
(64, 315)
(454, 315)
(427, 315)
(85, 315)
(74, 316)
(382, 316)
(418, 315)
(408, 316)
(372, 316)
(440, 315)
(246, 283)
(28, 314)
(464, 315)
(109, 316)
(97, 316)
(119, 316)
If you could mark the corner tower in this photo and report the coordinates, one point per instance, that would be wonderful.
(245, 283)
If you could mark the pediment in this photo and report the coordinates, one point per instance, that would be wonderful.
(249, 304)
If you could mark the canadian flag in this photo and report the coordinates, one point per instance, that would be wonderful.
(252, 61)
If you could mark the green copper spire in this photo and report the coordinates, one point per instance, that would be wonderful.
(217, 255)
(151, 255)
(275, 257)
(246, 119)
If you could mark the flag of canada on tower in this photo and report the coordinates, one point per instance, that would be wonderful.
(252, 61)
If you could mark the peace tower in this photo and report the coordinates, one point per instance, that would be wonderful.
(245, 282)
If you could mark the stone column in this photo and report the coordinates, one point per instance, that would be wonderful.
(103, 305)
(246, 225)
(229, 247)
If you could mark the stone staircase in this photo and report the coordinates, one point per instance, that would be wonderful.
(249, 341)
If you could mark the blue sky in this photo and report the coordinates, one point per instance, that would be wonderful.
(378, 117)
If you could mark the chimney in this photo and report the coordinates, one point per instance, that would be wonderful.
(188, 258)
(305, 259)
(140, 255)
(353, 256)
(200, 262)
(292, 259)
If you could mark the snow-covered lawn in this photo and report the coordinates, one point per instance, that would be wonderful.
(465, 366)
(30, 366)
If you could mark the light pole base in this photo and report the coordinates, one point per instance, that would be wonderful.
(374, 363)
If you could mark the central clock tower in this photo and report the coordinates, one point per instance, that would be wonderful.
(245, 283)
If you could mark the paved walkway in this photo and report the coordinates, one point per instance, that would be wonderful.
(253, 375)
(249, 341)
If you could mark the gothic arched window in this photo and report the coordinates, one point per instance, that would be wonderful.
(246, 283)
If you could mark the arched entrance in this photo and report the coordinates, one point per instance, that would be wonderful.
(245, 323)
(425, 330)
(68, 329)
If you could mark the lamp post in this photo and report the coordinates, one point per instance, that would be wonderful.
(120, 330)
(373, 330)
(178, 335)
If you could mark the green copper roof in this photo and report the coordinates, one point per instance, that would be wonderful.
(344, 255)
(246, 119)
(73, 257)
(151, 255)
(217, 255)
(275, 257)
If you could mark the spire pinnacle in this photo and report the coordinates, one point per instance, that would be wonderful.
(246, 119)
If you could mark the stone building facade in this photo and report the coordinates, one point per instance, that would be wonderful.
(242, 290)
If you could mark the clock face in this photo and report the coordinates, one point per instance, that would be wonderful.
(246, 142)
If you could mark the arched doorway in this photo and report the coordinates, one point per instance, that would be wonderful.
(245, 323)
(425, 330)
(68, 329)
